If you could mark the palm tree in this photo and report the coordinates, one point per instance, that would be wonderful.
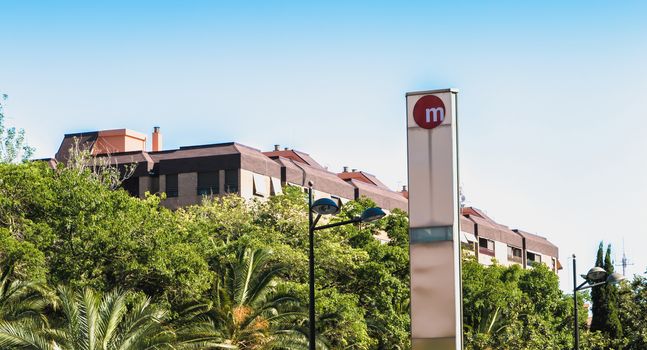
(249, 311)
(95, 322)
(22, 306)
(26, 335)
(20, 300)
(91, 321)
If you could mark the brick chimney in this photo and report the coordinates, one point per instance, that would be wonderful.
(405, 192)
(277, 147)
(157, 139)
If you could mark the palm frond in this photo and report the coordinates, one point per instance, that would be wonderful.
(22, 335)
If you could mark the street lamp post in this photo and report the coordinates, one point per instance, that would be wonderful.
(326, 206)
(596, 276)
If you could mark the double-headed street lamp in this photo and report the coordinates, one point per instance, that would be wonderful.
(326, 206)
(596, 276)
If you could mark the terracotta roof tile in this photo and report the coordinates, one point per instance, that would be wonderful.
(299, 173)
(384, 198)
(491, 230)
(539, 244)
(296, 156)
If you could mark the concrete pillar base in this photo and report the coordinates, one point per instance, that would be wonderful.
(434, 344)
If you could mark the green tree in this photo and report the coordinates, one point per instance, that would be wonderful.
(12, 142)
(632, 311)
(599, 298)
(613, 327)
(513, 308)
(67, 226)
(22, 299)
(249, 309)
(605, 301)
(92, 321)
(85, 234)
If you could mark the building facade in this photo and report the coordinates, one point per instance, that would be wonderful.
(490, 241)
(189, 173)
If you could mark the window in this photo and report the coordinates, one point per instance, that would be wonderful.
(486, 243)
(275, 186)
(132, 186)
(486, 246)
(514, 254)
(468, 246)
(231, 181)
(155, 184)
(208, 183)
(260, 187)
(533, 258)
(172, 185)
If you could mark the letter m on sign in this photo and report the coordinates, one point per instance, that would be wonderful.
(437, 113)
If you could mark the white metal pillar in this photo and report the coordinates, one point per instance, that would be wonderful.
(432, 157)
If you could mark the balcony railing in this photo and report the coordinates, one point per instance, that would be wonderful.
(486, 251)
(207, 191)
(516, 259)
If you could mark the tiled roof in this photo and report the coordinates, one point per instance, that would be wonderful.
(364, 177)
(299, 173)
(213, 157)
(539, 244)
(296, 156)
(85, 141)
(467, 225)
(142, 161)
(384, 198)
(491, 230)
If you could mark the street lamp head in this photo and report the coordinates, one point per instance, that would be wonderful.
(596, 274)
(372, 214)
(325, 206)
(615, 278)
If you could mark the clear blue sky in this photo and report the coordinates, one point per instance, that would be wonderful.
(552, 104)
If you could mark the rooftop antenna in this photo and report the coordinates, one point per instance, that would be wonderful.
(625, 261)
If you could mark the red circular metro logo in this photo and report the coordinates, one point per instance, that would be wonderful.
(429, 112)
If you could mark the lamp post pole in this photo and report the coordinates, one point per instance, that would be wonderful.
(596, 277)
(326, 206)
(311, 305)
(576, 328)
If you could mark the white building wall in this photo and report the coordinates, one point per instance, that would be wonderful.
(144, 185)
(501, 253)
(316, 194)
(246, 185)
(485, 259)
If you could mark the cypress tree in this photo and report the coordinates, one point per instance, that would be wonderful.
(598, 297)
(613, 327)
(605, 300)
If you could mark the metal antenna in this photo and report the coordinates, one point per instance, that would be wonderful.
(625, 261)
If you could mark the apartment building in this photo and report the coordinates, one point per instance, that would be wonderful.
(490, 240)
(189, 173)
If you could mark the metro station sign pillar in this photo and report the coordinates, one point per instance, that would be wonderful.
(432, 157)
